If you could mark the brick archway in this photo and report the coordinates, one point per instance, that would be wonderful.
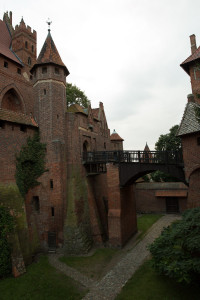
(11, 99)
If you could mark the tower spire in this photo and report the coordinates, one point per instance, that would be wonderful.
(49, 24)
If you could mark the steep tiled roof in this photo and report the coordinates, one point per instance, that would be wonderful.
(5, 43)
(191, 58)
(49, 54)
(115, 136)
(15, 117)
(189, 123)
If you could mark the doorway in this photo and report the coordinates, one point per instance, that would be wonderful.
(172, 205)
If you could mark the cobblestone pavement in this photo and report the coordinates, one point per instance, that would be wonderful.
(111, 284)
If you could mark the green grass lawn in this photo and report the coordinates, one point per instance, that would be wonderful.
(91, 266)
(147, 285)
(41, 282)
(145, 221)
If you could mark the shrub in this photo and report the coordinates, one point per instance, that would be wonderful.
(176, 253)
(6, 227)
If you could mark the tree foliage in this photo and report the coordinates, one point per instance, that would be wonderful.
(75, 96)
(6, 227)
(176, 253)
(30, 164)
(166, 142)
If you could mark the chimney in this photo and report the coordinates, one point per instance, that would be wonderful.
(193, 43)
(190, 98)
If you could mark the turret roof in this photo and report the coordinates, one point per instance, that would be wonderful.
(190, 122)
(115, 136)
(49, 54)
(191, 58)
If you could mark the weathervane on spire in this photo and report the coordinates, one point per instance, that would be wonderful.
(49, 24)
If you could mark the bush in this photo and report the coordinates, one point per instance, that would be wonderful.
(6, 226)
(176, 253)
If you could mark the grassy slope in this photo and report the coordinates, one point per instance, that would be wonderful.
(41, 281)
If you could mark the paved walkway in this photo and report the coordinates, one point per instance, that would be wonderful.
(111, 284)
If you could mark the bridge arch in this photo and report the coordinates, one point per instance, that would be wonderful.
(129, 173)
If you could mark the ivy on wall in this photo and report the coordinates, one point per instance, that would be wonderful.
(30, 164)
(6, 227)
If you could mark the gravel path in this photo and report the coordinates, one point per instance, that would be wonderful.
(111, 284)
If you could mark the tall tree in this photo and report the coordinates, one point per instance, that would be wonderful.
(75, 96)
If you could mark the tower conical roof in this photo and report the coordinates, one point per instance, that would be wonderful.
(49, 54)
(115, 136)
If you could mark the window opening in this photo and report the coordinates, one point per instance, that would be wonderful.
(44, 70)
(2, 124)
(23, 128)
(26, 45)
(45, 91)
(19, 71)
(51, 183)
(32, 48)
(29, 61)
(36, 203)
(56, 71)
(5, 64)
(52, 211)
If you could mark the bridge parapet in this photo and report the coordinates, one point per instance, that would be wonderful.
(132, 156)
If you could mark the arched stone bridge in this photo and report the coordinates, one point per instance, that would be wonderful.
(135, 164)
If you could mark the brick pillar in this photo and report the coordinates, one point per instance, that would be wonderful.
(114, 205)
(122, 223)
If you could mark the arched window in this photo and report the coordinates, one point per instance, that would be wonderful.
(11, 101)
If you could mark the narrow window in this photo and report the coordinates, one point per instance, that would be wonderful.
(26, 45)
(104, 145)
(32, 48)
(23, 128)
(2, 124)
(31, 77)
(198, 140)
(36, 203)
(51, 183)
(57, 116)
(29, 61)
(18, 70)
(44, 70)
(45, 92)
(5, 64)
(56, 71)
(52, 211)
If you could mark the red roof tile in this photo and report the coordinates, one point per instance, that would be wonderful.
(49, 54)
(5, 43)
(191, 58)
(15, 117)
(115, 137)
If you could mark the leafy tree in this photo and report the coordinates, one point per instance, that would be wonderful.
(166, 142)
(6, 227)
(176, 252)
(30, 164)
(75, 96)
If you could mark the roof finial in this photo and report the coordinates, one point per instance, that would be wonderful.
(49, 24)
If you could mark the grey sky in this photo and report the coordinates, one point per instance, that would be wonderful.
(125, 53)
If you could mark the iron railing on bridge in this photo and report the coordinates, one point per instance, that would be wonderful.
(156, 157)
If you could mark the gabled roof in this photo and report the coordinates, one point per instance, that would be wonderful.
(115, 136)
(76, 108)
(191, 58)
(189, 123)
(5, 44)
(49, 54)
(15, 117)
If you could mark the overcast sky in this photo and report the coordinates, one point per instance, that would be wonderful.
(124, 53)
